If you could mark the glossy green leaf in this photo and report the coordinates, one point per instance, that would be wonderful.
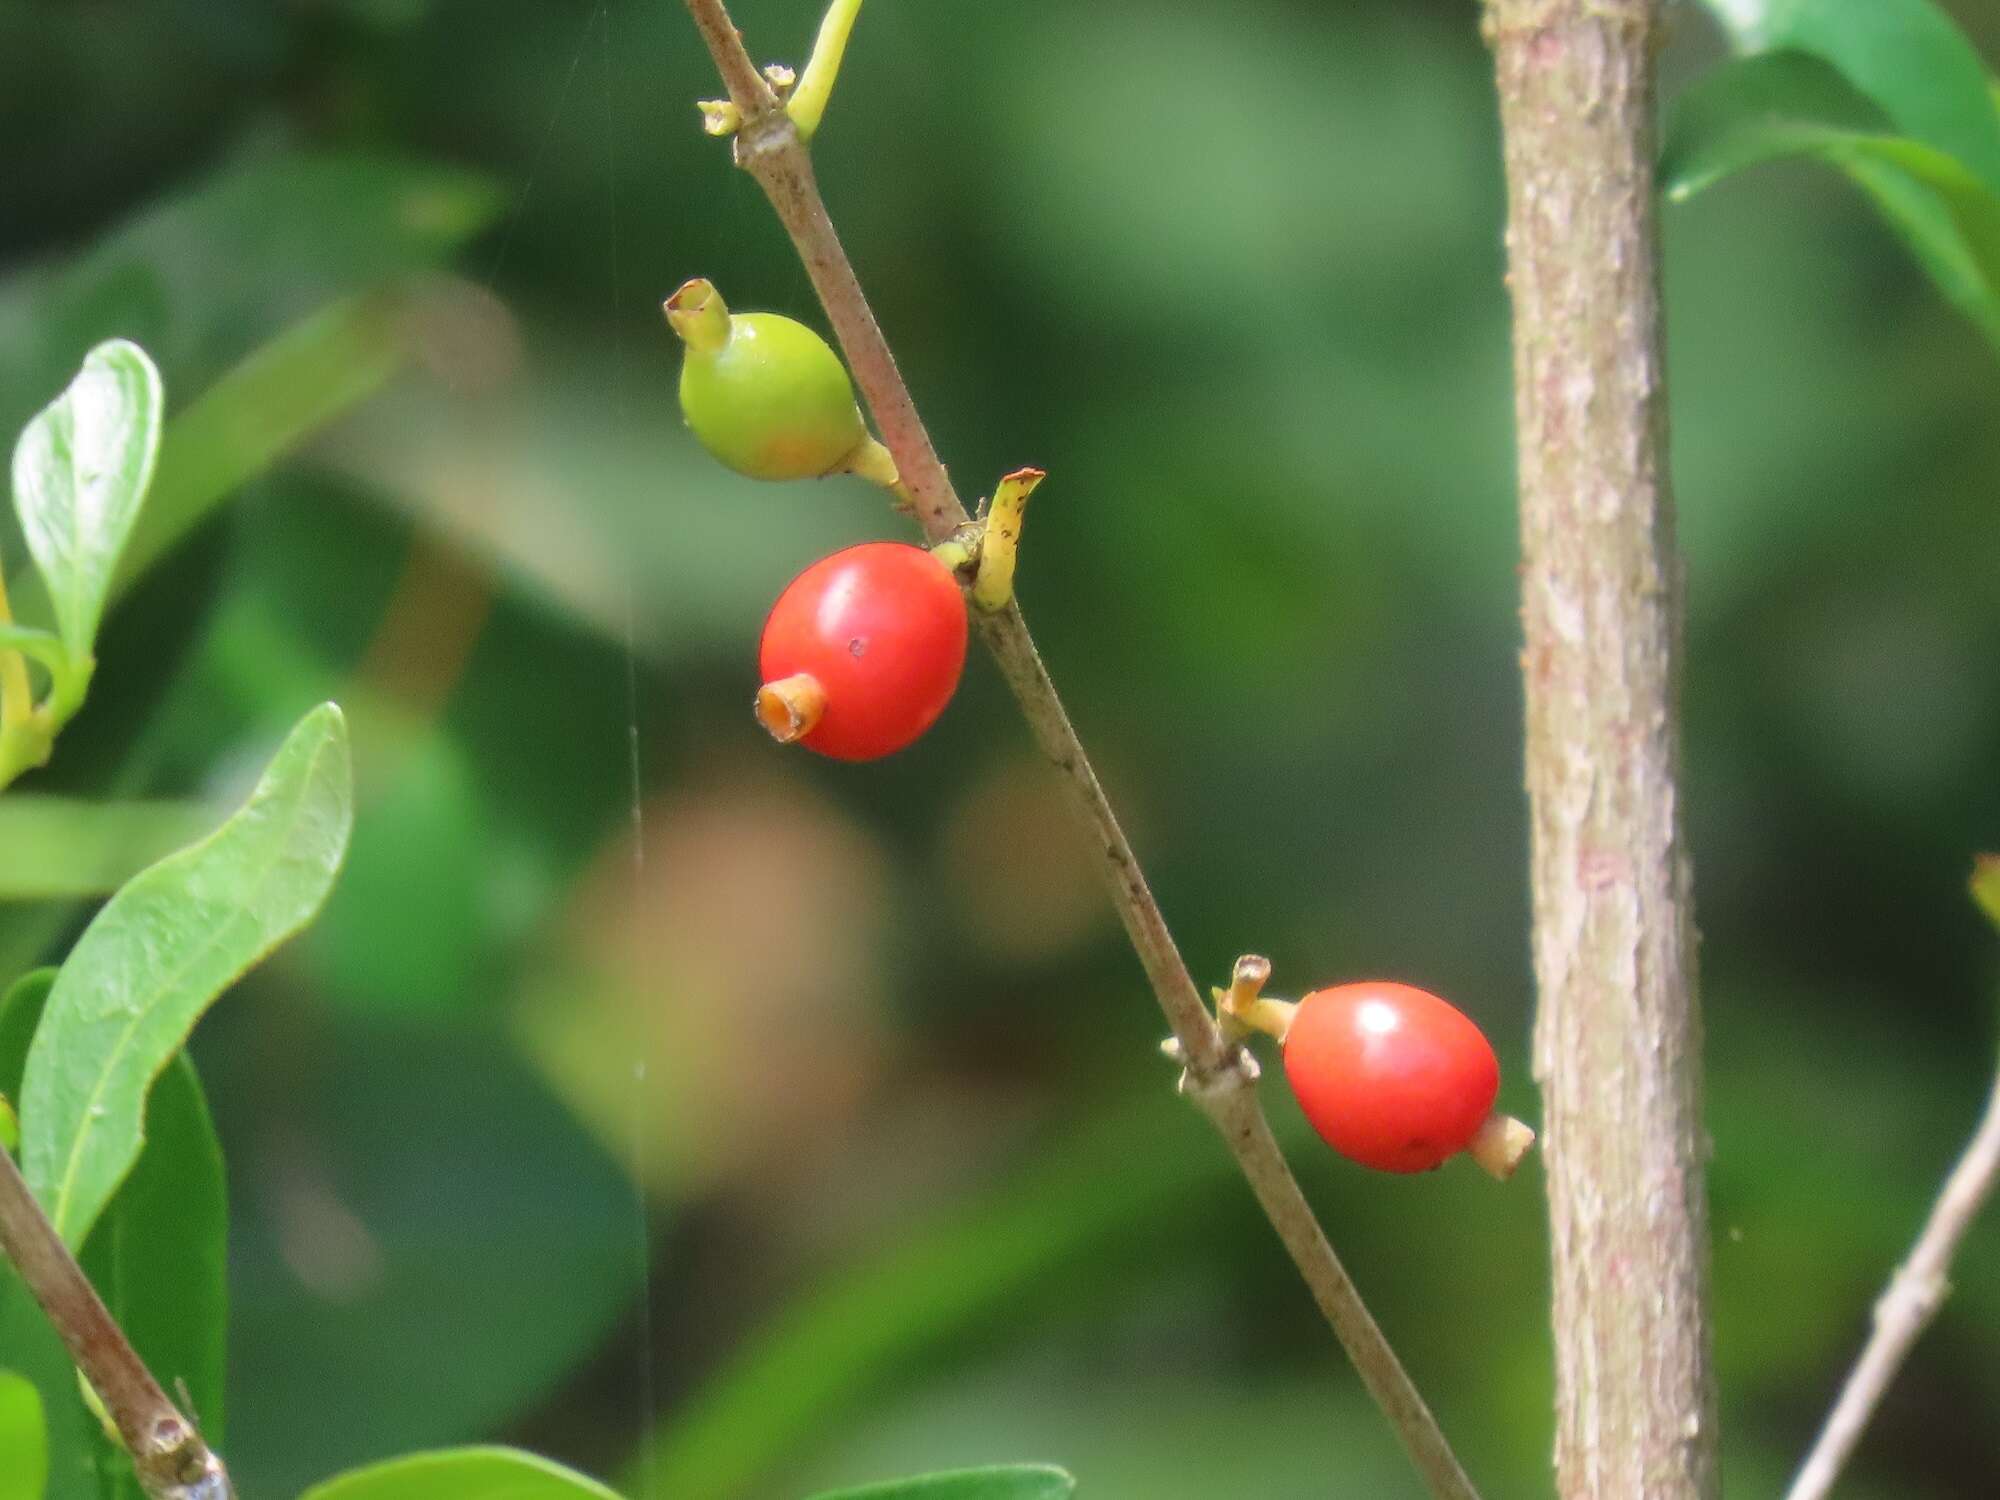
(306, 377)
(59, 848)
(1788, 104)
(1986, 885)
(24, 1439)
(158, 1256)
(296, 229)
(462, 1474)
(158, 955)
(159, 1253)
(1002, 1482)
(1906, 55)
(81, 471)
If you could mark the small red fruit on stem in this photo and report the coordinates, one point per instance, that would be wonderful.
(862, 651)
(1397, 1079)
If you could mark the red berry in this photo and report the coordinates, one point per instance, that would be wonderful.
(1393, 1077)
(862, 651)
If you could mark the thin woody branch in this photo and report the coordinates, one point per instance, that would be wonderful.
(1220, 1077)
(168, 1454)
(749, 90)
(1914, 1295)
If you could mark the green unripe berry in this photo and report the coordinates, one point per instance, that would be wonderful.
(766, 395)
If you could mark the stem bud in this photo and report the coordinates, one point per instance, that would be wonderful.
(1243, 1004)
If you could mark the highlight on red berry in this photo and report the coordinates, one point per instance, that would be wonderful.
(1395, 1078)
(862, 651)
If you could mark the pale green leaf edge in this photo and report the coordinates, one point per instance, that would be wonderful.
(72, 1212)
(78, 599)
(1871, 41)
(526, 1468)
(1942, 212)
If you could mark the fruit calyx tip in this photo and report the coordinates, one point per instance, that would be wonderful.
(1499, 1144)
(790, 708)
(698, 314)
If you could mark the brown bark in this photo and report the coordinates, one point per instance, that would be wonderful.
(1618, 1032)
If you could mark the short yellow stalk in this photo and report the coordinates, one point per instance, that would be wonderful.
(808, 101)
(994, 587)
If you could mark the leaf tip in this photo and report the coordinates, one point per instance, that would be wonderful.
(330, 717)
(113, 351)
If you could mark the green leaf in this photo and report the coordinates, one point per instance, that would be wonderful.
(157, 1257)
(159, 1253)
(1005, 1482)
(80, 474)
(1759, 109)
(285, 391)
(1906, 55)
(27, 1343)
(1786, 104)
(282, 393)
(20, 1013)
(60, 848)
(24, 1439)
(295, 230)
(1950, 226)
(1986, 885)
(462, 1474)
(38, 644)
(158, 955)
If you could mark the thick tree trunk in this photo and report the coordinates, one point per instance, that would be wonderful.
(1618, 1034)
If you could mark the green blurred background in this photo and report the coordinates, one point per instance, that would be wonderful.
(654, 1097)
